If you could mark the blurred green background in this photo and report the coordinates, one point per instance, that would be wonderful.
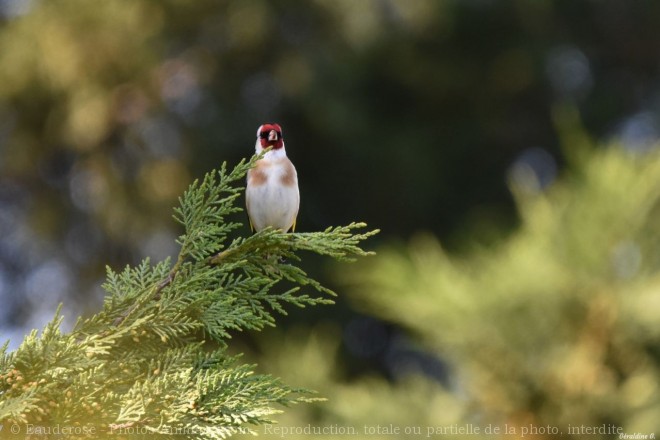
(521, 135)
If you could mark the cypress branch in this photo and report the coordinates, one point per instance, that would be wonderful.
(143, 364)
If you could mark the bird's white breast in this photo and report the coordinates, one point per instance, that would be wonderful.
(272, 194)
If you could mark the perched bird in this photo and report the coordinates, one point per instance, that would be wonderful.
(272, 195)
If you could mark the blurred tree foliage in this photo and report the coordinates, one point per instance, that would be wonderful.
(556, 327)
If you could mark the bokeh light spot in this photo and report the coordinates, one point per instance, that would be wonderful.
(626, 259)
(163, 180)
(88, 188)
(48, 284)
(15, 8)
(568, 71)
(640, 132)
(534, 170)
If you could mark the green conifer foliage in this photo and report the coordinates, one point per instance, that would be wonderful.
(557, 325)
(153, 360)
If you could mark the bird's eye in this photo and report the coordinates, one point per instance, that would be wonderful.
(265, 134)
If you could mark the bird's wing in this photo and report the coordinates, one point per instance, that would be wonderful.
(295, 216)
(247, 203)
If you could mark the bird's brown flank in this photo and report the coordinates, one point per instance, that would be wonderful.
(289, 177)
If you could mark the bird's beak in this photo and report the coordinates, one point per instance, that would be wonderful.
(272, 136)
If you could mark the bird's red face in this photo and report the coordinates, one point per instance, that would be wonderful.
(270, 135)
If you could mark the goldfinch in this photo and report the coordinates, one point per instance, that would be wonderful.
(272, 195)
